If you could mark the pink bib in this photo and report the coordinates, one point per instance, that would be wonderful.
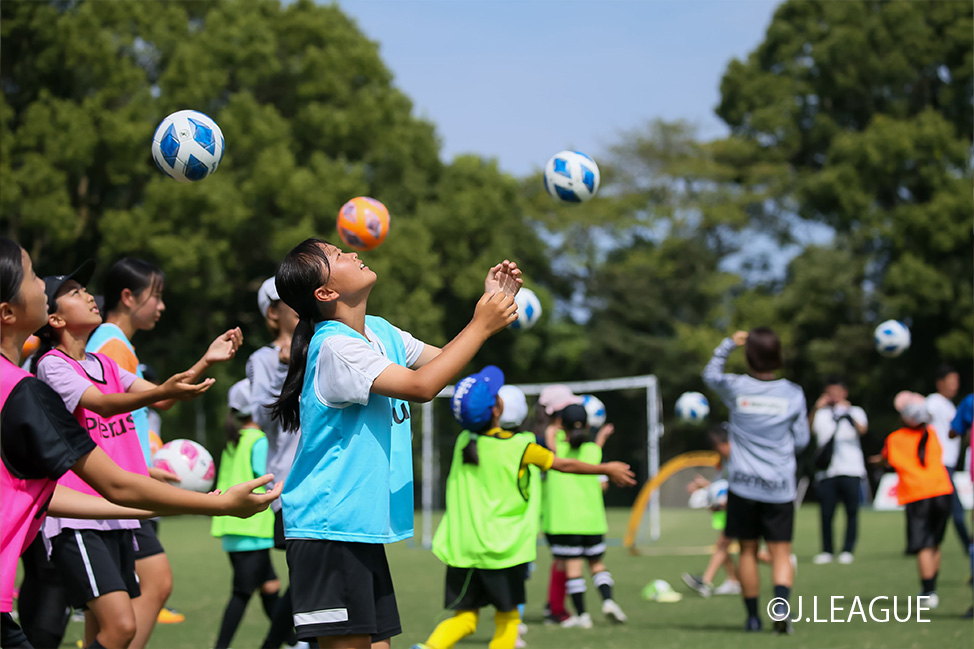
(23, 502)
(115, 435)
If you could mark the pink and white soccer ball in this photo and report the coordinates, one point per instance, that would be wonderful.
(190, 461)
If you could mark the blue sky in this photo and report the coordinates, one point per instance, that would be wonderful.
(521, 80)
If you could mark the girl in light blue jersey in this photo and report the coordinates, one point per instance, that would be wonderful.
(350, 487)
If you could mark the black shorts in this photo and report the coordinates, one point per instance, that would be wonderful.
(340, 588)
(926, 522)
(147, 540)
(251, 569)
(279, 530)
(468, 589)
(93, 563)
(574, 546)
(750, 520)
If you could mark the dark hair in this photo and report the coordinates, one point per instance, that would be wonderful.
(943, 370)
(133, 274)
(922, 447)
(232, 425)
(836, 380)
(470, 455)
(574, 418)
(303, 270)
(719, 434)
(763, 350)
(46, 336)
(11, 270)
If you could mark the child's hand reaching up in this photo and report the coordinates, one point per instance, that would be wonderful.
(495, 311)
(620, 474)
(505, 277)
(224, 347)
(178, 387)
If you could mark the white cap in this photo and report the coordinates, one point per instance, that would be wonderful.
(266, 294)
(515, 406)
(238, 397)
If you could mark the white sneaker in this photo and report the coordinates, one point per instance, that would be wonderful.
(933, 600)
(729, 587)
(522, 628)
(519, 643)
(821, 558)
(583, 621)
(614, 612)
(846, 558)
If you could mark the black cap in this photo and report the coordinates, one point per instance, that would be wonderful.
(574, 416)
(53, 283)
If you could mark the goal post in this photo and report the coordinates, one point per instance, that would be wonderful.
(654, 430)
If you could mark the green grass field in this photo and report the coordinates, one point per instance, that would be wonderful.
(202, 584)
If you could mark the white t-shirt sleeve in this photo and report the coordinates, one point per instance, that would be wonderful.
(414, 347)
(823, 425)
(859, 416)
(347, 367)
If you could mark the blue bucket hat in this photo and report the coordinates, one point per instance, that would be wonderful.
(475, 396)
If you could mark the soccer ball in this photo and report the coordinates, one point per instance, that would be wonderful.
(717, 494)
(528, 309)
(190, 461)
(363, 223)
(892, 338)
(595, 409)
(187, 146)
(571, 176)
(692, 407)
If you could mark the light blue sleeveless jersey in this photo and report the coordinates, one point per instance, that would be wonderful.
(352, 477)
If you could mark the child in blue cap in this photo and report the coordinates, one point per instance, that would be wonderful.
(485, 538)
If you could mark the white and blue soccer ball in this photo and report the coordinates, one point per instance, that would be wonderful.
(528, 309)
(692, 407)
(717, 494)
(595, 410)
(892, 338)
(187, 146)
(571, 176)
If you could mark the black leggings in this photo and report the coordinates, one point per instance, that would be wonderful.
(831, 491)
(43, 602)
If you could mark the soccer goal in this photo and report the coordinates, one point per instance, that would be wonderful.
(654, 430)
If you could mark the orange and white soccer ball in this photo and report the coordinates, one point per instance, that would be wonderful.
(363, 223)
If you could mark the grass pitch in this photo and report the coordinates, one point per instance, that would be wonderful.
(202, 586)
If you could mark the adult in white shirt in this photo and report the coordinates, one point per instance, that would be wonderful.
(834, 418)
(941, 407)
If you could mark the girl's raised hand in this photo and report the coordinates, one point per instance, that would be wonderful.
(604, 434)
(620, 474)
(505, 277)
(242, 502)
(224, 347)
(739, 338)
(178, 386)
(495, 311)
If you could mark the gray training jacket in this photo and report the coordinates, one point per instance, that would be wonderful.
(768, 426)
(267, 373)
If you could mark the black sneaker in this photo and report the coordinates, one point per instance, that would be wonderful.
(752, 624)
(783, 627)
(698, 584)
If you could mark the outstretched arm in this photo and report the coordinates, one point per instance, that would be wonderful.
(494, 311)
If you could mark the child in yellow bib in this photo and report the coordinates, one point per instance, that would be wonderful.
(486, 536)
(247, 541)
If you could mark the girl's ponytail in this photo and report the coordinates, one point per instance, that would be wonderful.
(304, 269)
(286, 407)
(470, 455)
(922, 448)
(46, 336)
(577, 437)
